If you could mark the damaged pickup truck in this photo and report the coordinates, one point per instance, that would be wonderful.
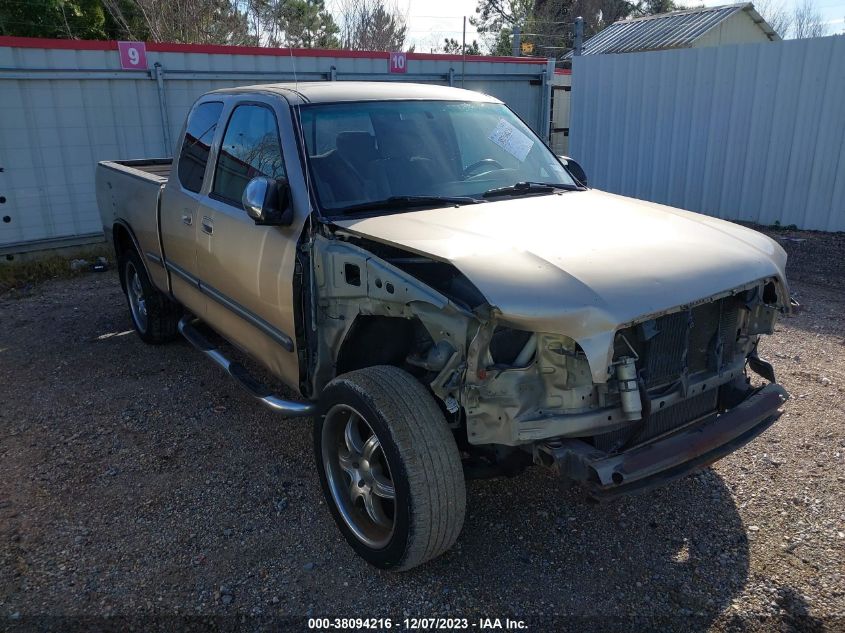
(447, 297)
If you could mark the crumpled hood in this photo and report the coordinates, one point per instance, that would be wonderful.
(585, 263)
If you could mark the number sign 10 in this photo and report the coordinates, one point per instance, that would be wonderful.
(398, 62)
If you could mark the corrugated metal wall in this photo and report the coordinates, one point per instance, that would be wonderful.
(750, 132)
(62, 110)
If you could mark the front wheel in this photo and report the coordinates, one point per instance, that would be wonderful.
(389, 466)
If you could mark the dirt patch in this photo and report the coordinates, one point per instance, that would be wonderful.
(20, 275)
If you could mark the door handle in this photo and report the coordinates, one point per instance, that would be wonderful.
(187, 219)
(207, 225)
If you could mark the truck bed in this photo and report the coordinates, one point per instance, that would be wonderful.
(158, 168)
(127, 194)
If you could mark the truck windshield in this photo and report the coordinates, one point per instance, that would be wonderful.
(370, 152)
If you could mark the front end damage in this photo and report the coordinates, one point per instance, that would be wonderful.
(681, 451)
(618, 411)
(677, 394)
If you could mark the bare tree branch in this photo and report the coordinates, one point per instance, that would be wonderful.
(776, 14)
(371, 25)
(808, 21)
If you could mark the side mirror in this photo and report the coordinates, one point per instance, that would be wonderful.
(575, 169)
(267, 201)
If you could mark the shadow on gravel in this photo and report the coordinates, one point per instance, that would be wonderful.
(680, 552)
(797, 611)
(794, 617)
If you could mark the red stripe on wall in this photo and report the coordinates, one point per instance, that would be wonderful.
(44, 42)
(216, 49)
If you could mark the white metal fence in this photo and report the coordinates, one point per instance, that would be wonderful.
(64, 105)
(751, 132)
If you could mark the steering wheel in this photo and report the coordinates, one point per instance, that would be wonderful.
(484, 162)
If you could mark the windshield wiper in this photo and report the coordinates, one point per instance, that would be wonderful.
(406, 202)
(526, 187)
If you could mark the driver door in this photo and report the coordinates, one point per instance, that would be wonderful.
(247, 270)
(180, 199)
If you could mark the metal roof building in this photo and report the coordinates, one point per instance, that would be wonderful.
(692, 28)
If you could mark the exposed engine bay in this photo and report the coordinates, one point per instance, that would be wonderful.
(501, 386)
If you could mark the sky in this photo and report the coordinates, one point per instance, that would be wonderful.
(429, 21)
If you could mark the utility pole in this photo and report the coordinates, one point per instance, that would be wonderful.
(579, 36)
(517, 42)
(464, 53)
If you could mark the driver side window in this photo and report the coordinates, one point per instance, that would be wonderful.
(250, 148)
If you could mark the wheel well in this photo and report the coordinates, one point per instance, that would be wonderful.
(376, 340)
(122, 244)
(122, 240)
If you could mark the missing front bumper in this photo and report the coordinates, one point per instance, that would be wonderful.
(672, 457)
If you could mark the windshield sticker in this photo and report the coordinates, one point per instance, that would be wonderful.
(511, 140)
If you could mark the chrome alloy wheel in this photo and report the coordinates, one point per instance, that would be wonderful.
(135, 292)
(358, 476)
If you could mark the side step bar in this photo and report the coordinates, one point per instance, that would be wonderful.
(257, 390)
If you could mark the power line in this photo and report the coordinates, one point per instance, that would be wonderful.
(439, 17)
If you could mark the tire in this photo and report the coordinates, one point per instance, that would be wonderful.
(413, 452)
(154, 315)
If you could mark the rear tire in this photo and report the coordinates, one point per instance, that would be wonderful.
(389, 466)
(154, 315)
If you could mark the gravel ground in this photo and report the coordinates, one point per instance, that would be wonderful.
(137, 480)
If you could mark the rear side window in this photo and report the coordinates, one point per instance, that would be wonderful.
(250, 148)
(195, 148)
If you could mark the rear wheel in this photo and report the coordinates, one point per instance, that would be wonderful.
(390, 469)
(154, 315)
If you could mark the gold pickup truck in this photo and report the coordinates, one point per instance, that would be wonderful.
(448, 298)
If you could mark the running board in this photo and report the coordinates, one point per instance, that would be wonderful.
(257, 390)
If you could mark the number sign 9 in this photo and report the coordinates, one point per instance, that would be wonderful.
(133, 55)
